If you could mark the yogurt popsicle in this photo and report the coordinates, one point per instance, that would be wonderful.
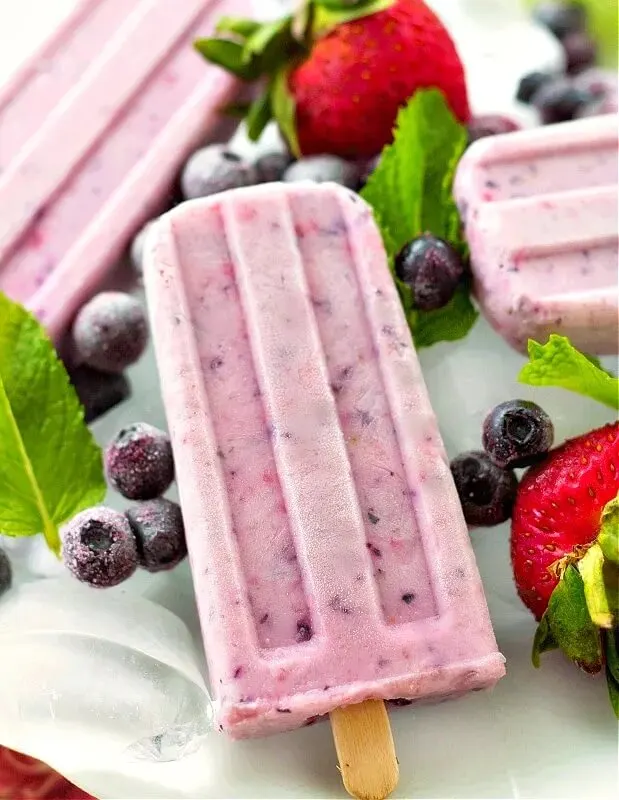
(540, 215)
(330, 556)
(92, 133)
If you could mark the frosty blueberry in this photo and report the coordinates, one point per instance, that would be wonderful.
(99, 547)
(136, 251)
(324, 169)
(159, 534)
(110, 332)
(530, 84)
(139, 462)
(215, 169)
(272, 166)
(560, 101)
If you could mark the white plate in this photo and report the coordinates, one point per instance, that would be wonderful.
(540, 734)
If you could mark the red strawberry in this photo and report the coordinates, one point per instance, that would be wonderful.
(558, 509)
(338, 76)
(350, 89)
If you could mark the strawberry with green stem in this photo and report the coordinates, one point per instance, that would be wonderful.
(337, 72)
(565, 525)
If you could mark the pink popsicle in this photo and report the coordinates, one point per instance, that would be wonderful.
(93, 131)
(540, 213)
(330, 556)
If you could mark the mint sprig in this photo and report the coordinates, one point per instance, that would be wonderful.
(410, 192)
(50, 466)
(559, 363)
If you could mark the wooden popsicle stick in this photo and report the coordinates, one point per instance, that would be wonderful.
(365, 750)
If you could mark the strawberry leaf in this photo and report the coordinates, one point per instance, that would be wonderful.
(611, 651)
(331, 13)
(271, 46)
(608, 538)
(543, 641)
(571, 625)
(240, 27)
(601, 584)
(228, 55)
(284, 110)
(559, 363)
(259, 116)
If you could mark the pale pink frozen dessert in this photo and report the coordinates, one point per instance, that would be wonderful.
(540, 215)
(92, 133)
(330, 556)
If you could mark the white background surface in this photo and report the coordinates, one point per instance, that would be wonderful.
(540, 734)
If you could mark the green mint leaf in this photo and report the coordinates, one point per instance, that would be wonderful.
(611, 651)
(411, 187)
(543, 641)
(259, 115)
(410, 192)
(601, 584)
(228, 55)
(571, 625)
(608, 538)
(243, 28)
(284, 110)
(447, 324)
(50, 466)
(559, 363)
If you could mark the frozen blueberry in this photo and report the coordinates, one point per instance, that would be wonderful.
(323, 169)
(98, 391)
(159, 534)
(580, 52)
(602, 85)
(561, 18)
(136, 251)
(215, 169)
(139, 462)
(531, 84)
(271, 166)
(560, 101)
(517, 433)
(6, 574)
(110, 332)
(487, 492)
(432, 269)
(98, 547)
(490, 125)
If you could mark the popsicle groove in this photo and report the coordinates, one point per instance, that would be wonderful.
(25, 188)
(307, 438)
(399, 567)
(244, 438)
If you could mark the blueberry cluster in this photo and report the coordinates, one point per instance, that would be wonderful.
(581, 92)
(515, 434)
(103, 547)
(109, 334)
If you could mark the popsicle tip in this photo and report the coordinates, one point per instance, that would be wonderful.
(365, 749)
